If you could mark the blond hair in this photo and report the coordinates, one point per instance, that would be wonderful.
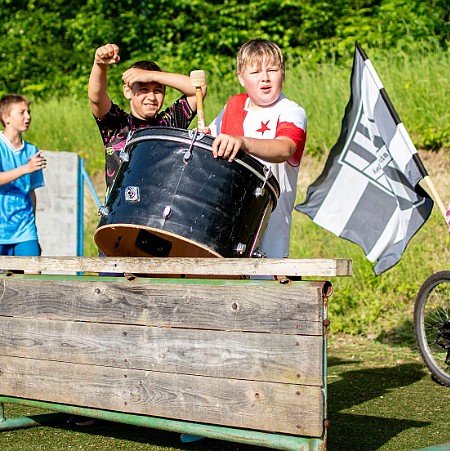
(256, 51)
(7, 102)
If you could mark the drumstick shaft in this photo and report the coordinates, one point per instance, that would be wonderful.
(200, 112)
(198, 79)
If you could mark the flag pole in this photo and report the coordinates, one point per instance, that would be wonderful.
(430, 184)
(436, 196)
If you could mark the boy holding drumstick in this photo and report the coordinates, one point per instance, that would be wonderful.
(145, 87)
(263, 123)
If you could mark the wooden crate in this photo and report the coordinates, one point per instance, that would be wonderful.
(239, 353)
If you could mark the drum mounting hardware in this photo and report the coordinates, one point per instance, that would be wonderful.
(132, 194)
(194, 135)
(103, 211)
(167, 212)
(258, 254)
(187, 155)
(259, 192)
(240, 248)
(124, 156)
(267, 174)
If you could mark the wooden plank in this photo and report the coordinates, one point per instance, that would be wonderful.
(232, 355)
(295, 308)
(191, 266)
(285, 408)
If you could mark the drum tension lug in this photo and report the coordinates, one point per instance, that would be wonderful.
(240, 248)
(167, 212)
(259, 191)
(124, 156)
(258, 254)
(193, 135)
(187, 156)
(103, 211)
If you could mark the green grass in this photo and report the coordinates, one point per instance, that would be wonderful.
(67, 125)
(381, 398)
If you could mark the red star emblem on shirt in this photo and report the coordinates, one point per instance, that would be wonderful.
(264, 127)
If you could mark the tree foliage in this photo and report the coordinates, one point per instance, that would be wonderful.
(48, 46)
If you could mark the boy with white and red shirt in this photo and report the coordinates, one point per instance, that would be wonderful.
(266, 125)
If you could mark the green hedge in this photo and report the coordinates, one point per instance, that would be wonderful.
(47, 46)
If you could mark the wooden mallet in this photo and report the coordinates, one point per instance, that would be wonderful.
(198, 79)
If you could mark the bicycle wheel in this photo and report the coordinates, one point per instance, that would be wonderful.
(432, 325)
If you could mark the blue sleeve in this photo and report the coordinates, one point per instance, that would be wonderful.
(36, 178)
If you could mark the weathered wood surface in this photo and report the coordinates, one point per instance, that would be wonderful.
(294, 308)
(237, 353)
(191, 266)
(294, 359)
(284, 408)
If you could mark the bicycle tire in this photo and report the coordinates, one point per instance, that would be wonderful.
(431, 313)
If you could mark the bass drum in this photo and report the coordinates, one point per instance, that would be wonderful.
(172, 198)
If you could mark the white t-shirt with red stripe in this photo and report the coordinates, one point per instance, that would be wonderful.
(284, 118)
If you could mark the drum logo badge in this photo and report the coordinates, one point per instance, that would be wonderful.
(132, 194)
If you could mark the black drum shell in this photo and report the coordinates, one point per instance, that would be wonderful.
(188, 204)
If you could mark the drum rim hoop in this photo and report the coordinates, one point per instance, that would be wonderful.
(275, 190)
(124, 225)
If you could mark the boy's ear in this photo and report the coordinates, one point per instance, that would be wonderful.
(126, 92)
(241, 80)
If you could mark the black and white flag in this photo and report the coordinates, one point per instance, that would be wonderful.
(368, 191)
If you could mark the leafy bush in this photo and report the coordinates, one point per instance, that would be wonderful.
(47, 47)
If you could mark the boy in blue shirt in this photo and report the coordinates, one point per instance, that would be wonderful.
(21, 165)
